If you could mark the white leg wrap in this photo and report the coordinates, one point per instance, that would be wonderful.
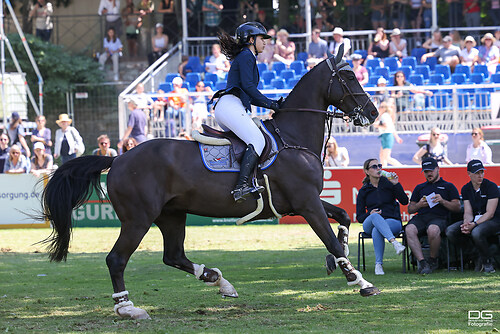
(119, 294)
(346, 239)
(226, 289)
(125, 308)
(198, 270)
(216, 283)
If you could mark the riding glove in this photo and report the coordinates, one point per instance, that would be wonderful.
(276, 105)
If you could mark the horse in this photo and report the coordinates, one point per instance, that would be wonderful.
(162, 180)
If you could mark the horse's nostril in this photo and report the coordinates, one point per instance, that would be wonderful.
(374, 113)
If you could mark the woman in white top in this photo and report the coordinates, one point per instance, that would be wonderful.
(336, 156)
(68, 143)
(218, 63)
(469, 52)
(478, 149)
(112, 48)
(434, 43)
(159, 43)
(434, 148)
(387, 130)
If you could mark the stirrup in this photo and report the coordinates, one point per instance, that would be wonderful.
(242, 193)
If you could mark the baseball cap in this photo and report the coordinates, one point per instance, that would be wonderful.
(39, 145)
(177, 81)
(396, 32)
(429, 164)
(447, 39)
(159, 25)
(475, 166)
(381, 81)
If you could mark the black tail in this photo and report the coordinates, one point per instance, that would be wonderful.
(68, 188)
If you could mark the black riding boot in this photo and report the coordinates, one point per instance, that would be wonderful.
(244, 187)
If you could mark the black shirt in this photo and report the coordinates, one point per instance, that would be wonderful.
(446, 189)
(479, 199)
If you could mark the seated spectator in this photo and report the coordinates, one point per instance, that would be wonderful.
(159, 44)
(159, 107)
(104, 148)
(183, 67)
(380, 45)
(377, 208)
(143, 100)
(433, 149)
(497, 38)
(217, 63)
(402, 97)
(478, 149)
(435, 42)
(41, 163)
(336, 156)
(285, 49)
(385, 125)
(338, 39)
(456, 39)
(318, 49)
(176, 108)
(481, 216)
(200, 108)
(378, 17)
(68, 143)
(433, 200)
(129, 144)
(4, 150)
(360, 71)
(488, 53)
(16, 132)
(381, 95)
(469, 52)
(397, 46)
(112, 48)
(267, 56)
(42, 134)
(16, 163)
(447, 55)
(136, 126)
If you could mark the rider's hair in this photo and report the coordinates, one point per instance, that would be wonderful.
(366, 165)
(229, 47)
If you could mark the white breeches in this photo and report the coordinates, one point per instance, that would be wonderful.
(231, 115)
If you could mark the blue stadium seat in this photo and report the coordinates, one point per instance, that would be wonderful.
(418, 53)
(463, 99)
(458, 78)
(392, 63)
(498, 69)
(188, 86)
(302, 56)
(362, 53)
(221, 85)
(267, 76)
(463, 69)
(278, 83)
(416, 79)
(287, 75)
(482, 99)
(166, 87)
(372, 63)
(292, 82)
(477, 78)
(436, 79)
(406, 71)
(297, 66)
(482, 69)
(193, 78)
(208, 83)
(425, 70)
(261, 84)
(432, 62)
(409, 61)
(262, 67)
(211, 77)
(382, 71)
(495, 78)
(278, 67)
(195, 65)
(440, 100)
(444, 70)
(372, 80)
(304, 71)
(170, 76)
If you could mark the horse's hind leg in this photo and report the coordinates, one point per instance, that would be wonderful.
(341, 216)
(173, 229)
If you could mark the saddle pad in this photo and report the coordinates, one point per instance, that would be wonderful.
(222, 158)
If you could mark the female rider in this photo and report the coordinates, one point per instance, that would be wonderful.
(241, 90)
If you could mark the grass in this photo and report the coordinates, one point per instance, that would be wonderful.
(277, 270)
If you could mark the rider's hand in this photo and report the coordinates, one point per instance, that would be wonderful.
(276, 105)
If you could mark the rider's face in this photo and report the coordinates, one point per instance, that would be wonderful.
(260, 44)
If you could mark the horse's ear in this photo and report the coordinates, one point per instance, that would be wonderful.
(329, 54)
(340, 54)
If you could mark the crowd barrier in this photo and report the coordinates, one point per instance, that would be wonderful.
(20, 195)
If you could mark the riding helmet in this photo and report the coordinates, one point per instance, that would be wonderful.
(249, 29)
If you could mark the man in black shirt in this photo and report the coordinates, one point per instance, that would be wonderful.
(433, 200)
(481, 215)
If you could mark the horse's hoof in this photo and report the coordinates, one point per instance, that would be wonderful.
(331, 265)
(227, 289)
(370, 291)
(132, 313)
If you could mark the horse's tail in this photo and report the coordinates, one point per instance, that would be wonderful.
(69, 187)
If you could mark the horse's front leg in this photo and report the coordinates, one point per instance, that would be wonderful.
(341, 216)
(317, 218)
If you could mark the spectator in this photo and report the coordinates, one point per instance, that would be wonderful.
(380, 45)
(354, 10)
(143, 100)
(263, 19)
(481, 216)
(495, 12)
(378, 13)
(136, 126)
(336, 156)
(112, 48)
(359, 70)
(478, 149)
(433, 149)
(285, 49)
(456, 39)
(129, 144)
(377, 208)
(17, 134)
(388, 134)
(455, 13)
(104, 148)
(68, 143)
(416, 12)
(382, 95)
(42, 134)
(145, 8)
(397, 46)
(42, 12)
(322, 22)
(111, 9)
(497, 38)
(469, 52)
(402, 97)
(433, 200)
(318, 49)
(427, 15)
(4, 150)
(200, 109)
(435, 42)
(159, 44)
(398, 13)
(176, 108)
(42, 162)
(170, 22)
(217, 63)
(159, 107)
(472, 13)
(447, 55)
(17, 163)
(212, 15)
(133, 24)
(183, 69)
(488, 53)
(267, 56)
(338, 39)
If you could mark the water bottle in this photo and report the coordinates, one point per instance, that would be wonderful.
(387, 174)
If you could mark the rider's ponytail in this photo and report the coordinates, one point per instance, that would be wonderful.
(229, 47)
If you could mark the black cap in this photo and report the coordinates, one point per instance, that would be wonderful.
(15, 116)
(475, 166)
(429, 164)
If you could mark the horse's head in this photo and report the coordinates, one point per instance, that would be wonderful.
(345, 92)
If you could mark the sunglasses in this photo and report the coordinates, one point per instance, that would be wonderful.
(104, 143)
(436, 134)
(16, 153)
(375, 166)
(474, 134)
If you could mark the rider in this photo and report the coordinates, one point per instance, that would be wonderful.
(241, 90)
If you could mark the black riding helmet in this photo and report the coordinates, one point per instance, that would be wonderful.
(249, 29)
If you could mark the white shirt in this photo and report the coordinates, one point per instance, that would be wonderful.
(112, 46)
(482, 152)
(334, 46)
(469, 56)
(393, 48)
(219, 62)
(113, 13)
(386, 120)
(340, 159)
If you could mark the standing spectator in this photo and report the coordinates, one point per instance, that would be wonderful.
(264, 20)
(427, 15)
(42, 12)
(145, 8)
(177, 108)
(382, 95)
(143, 100)
(17, 134)
(17, 163)
(397, 46)
(433, 149)
(472, 13)
(447, 55)
(377, 208)
(336, 156)
(433, 200)
(111, 9)
(455, 13)
(338, 39)
(285, 49)
(41, 163)
(267, 56)
(398, 13)
(133, 24)
(380, 45)
(170, 23)
(435, 42)
(4, 150)
(388, 134)
(469, 52)
(359, 70)
(416, 11)
(159, 44)
(42, 134)
(200, 108)
(212, 15)
(136, 126)
(321, 21)
(378, 13)
(402, 97)
(104, 148)
(481, 216)
(318, 49)
(129, 144)
(68, 143)
(217, 63)
(478, 149)
(354, 12)
(495, 12)
(112, 48)
(488, 53)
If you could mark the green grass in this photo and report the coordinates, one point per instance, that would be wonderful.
(277, 270)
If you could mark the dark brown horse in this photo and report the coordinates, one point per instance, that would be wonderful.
(161, 181)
